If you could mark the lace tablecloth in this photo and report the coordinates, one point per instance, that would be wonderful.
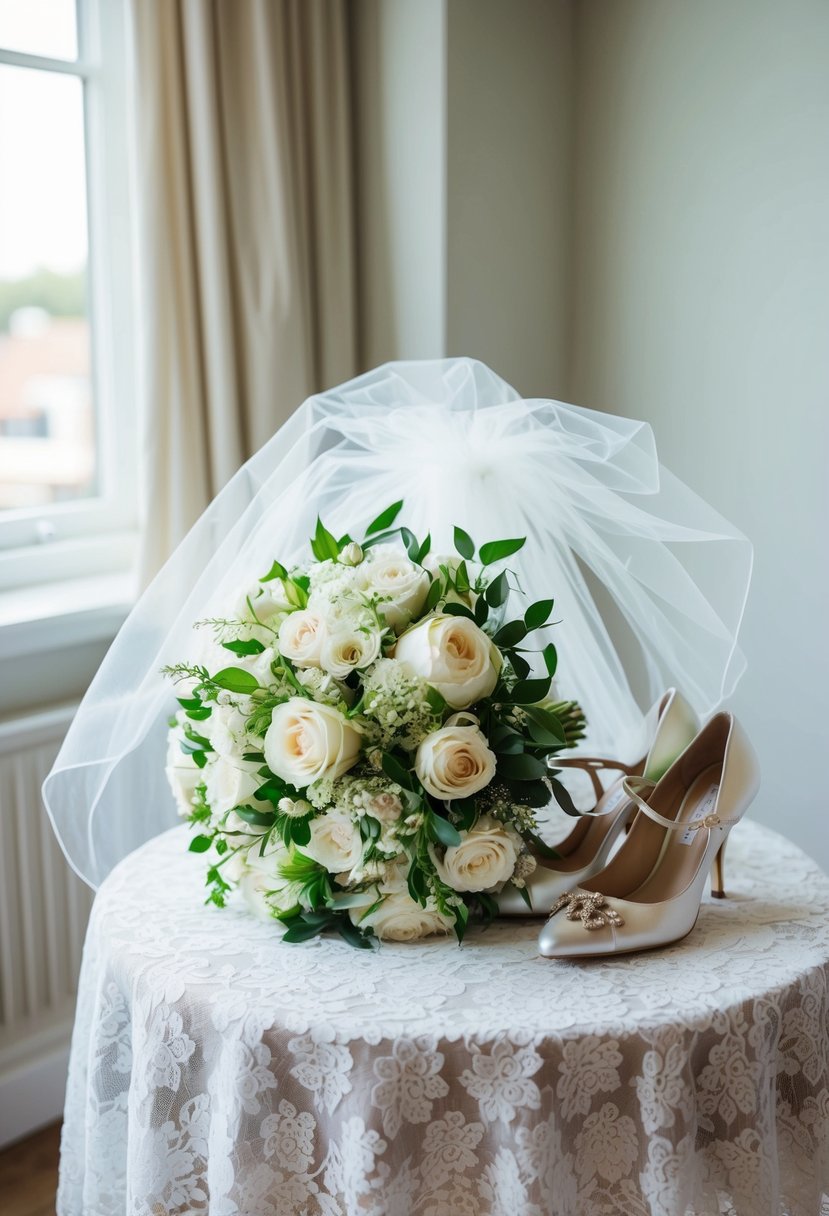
(216, 1069)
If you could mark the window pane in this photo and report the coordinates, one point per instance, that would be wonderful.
(47, 444)
(39, 27)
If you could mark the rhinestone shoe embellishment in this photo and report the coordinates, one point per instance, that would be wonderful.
(591, 908)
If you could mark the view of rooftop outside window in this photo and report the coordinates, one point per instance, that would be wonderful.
(47, 424)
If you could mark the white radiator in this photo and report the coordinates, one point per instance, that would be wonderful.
(43, 912)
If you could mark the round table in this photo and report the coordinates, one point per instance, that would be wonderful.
(217, 1069)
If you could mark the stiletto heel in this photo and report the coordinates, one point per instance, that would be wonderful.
(650, 893)
(670, 726)
(718, 873)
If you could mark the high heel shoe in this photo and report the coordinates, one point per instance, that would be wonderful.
(649, 895)
(670, 726)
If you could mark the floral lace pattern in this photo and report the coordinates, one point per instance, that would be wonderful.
(215, 1069)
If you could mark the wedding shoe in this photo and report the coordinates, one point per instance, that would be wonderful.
(670, 726)
(650, 893)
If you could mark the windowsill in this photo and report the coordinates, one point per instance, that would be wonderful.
(54, 616)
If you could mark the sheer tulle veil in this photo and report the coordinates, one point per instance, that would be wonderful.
(639, 566)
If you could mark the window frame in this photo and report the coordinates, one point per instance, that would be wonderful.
(97, 534)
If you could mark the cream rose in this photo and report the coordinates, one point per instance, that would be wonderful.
(402, 585)
(455, 761)
(302, 636)
(348, 650)
(400, 919)
(484, 859)
(306, 741)
(335, 842)
(454, 656)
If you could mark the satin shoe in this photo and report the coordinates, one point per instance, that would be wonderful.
(650, 893)
(669, 726)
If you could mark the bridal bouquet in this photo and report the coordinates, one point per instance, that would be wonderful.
(373, 757)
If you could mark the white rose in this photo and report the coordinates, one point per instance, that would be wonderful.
(485, 857)
(400, 919)
(225, 729)
(307, 741)
(302, 636)
(349, 649)
(454, 656)
(402, 584)
(455, 761)
(183, 775)
(228, 784)
(335, 842)
(263, 888)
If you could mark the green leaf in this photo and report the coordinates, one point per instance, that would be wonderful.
(300, 831)
(385, 519)
(538, 613)
(324, 545)
(411, 542)
(194, 742)
(550, 657)
(462, 579)
(199, 715)
(433, 595)
(189, 702)
(424, 549)
(354, 936)
(563, 798)
(525, 895)
(395, 770)
(234, 679)
(416, 881)
(496, 549)
(467, 811)
(454, 609)
(464, 544)
(435, 700)
(519, 665)
(541, 848)
(508, 744)
(200, 844)
(443, 831)
(522, 768)
(481, 611)
(498, 590)
(545, 720)
(530, 793)
(241, 648)
(199, 758)
(510, 634)
(254, 757)
(259, 819)
(461, 913)
(277, 570)
(301, 932)
(528, 692)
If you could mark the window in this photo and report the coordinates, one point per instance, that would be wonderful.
(67, 476)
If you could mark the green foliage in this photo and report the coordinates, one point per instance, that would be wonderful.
(385, 519)
(60, 295)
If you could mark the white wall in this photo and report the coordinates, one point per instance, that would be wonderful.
(399, 52)
(509, 198)
(702, 305)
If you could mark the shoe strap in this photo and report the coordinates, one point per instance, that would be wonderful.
(593, 765)
(632, 787)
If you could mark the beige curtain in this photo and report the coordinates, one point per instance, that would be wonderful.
(246, 234)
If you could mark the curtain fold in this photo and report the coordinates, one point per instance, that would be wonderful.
(242, 130)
